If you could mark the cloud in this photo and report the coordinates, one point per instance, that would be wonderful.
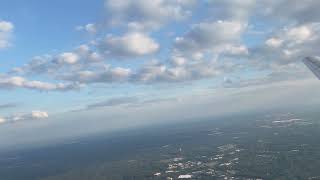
(81, 56)
(108, 75)
(145, 14)
(128, 101)
(232, 9)
(157, 72)
(114, 102)
(34, 115)
(8, 105)
(286, 47)
(285, 11)
(67, 58)
(216, 36)
(258, 81)
(293, 31)
(2, 120)
(39, 115)
(215, 46)
(274, 42)
(9, 82)
(6, 30)
(130, 45)
(90, 28)
(190, 55)
(37, 65)
(178, 60)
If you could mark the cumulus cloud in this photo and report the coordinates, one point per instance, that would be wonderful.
(213, 46)
(274, 42)
(296, 11)
(90, 28)
(81, 56)
(6, 30)
(37, 65)
(189, 58)
(156, 72)
(152, 72)
(232, 9)
(39, 115)
(34, 115)
(9, 82)
(145, 14)
(68, 58)
(130, 45)
(178, 60)
(108, 75)
(289, 45)
(216, 36)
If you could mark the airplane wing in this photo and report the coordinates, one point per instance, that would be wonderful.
(313, 63)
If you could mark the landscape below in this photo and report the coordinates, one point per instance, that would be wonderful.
(273, 145)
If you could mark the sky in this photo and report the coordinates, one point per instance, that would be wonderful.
(72, 67)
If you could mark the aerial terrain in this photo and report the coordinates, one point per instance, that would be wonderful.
(273, 145)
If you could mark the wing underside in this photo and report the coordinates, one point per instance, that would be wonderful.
(313, 64)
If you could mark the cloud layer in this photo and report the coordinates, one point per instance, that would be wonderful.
(213, 46)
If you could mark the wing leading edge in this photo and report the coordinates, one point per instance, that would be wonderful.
(313, 63)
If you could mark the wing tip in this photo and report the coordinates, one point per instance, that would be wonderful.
(310, 59)
(307, 58)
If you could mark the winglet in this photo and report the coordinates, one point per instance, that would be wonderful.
(313, 63)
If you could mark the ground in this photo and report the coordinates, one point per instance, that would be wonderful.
(268, 145)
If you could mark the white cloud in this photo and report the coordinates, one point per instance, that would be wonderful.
(6, 26)
(146, 14)
(129, 45)
(290, 44)
(274, 42)
(2, 120)
(6, 29)
(232, 9)
(37, 65)
(85, 53)
(217, 36)
(108, 75)
(299, 34)
(51, 65)
(290, 11)
(284, 49)
(237, 50)
(178, 61)
(33, 115)
(90, 28)
(7, 82)
(210, 48)
(39, 114)
(68, 58)
(160, 73)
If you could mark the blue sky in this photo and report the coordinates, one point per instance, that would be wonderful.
(61, 58)
(42, 27)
